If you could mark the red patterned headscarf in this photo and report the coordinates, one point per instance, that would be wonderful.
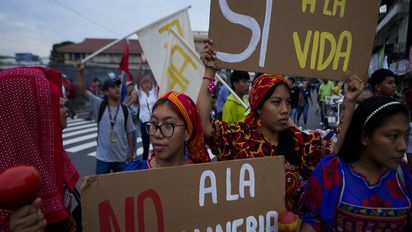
(31, 134)
(260, 87)
(187, 108)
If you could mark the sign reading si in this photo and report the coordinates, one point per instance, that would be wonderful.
(313, 38)
(240, 195)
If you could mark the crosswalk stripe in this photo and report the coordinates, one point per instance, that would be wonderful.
(82, 147)
(79, 132)
(78, 127)
(74, 120)
(78, 123)
(78, 139)
(92, 154)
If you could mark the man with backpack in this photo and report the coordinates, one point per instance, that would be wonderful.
(115, 126)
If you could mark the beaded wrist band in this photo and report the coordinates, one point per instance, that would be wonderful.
(211, 85)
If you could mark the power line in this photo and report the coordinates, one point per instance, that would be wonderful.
(87, 18)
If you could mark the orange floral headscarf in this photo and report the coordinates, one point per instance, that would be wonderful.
(260, 87)
(187, 108)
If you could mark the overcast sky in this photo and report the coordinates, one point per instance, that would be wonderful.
(35, 25)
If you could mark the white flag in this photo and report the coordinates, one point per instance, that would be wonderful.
(155, 37)
(183, 69)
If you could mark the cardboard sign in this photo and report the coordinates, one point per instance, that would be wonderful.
(240, 195)
(329, 39)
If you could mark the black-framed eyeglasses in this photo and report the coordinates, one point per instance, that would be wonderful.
(167, 129)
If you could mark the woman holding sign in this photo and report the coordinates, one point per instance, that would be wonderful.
(367, 186)
(265, 131)
(176, 133)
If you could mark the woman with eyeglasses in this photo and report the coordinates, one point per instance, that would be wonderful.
(367, 186)
(175, 132)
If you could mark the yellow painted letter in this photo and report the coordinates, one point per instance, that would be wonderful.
(302, 54)
(345, 35)
(176, 72)
(315, 46)
(341, 4)
(174, 23)
(324, 63)
(305, 4)
(326, 11)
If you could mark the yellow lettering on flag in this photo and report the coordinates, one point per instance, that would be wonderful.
(175, 23)
(154, 40)
(183, 69)
(176, 73)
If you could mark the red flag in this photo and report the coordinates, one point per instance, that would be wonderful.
(124, 64)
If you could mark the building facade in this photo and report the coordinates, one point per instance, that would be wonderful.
(392, 45)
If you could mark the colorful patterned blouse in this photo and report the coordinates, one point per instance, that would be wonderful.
(302, 152)
(338, 198)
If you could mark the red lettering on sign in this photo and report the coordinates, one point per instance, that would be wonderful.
(150, 193)
(129, 214)
(107, 215)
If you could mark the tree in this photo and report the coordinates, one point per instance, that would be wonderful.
(56, 56)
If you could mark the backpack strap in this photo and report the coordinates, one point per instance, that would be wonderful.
(126, 115)
(101, 111)
(102, 107)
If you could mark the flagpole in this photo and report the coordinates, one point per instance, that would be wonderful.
(218, 78)
(87, 58)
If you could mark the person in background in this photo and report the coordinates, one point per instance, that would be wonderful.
(295, 94)
(222, 96)
(266, 131)
(132, 103)
(115, 126)
(336, 88)
(147, 95)
(96, 89)
(233, 110)
(176, 133)
(367, 186)
(325, 90)
(305, 90)
(33, 114)
(383, 83)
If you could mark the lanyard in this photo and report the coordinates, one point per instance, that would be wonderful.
(113, 121)
(148, 106)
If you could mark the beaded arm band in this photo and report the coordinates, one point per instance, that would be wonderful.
(211, 85)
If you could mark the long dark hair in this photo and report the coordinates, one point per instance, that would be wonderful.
(371, 114)
(286, 139)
